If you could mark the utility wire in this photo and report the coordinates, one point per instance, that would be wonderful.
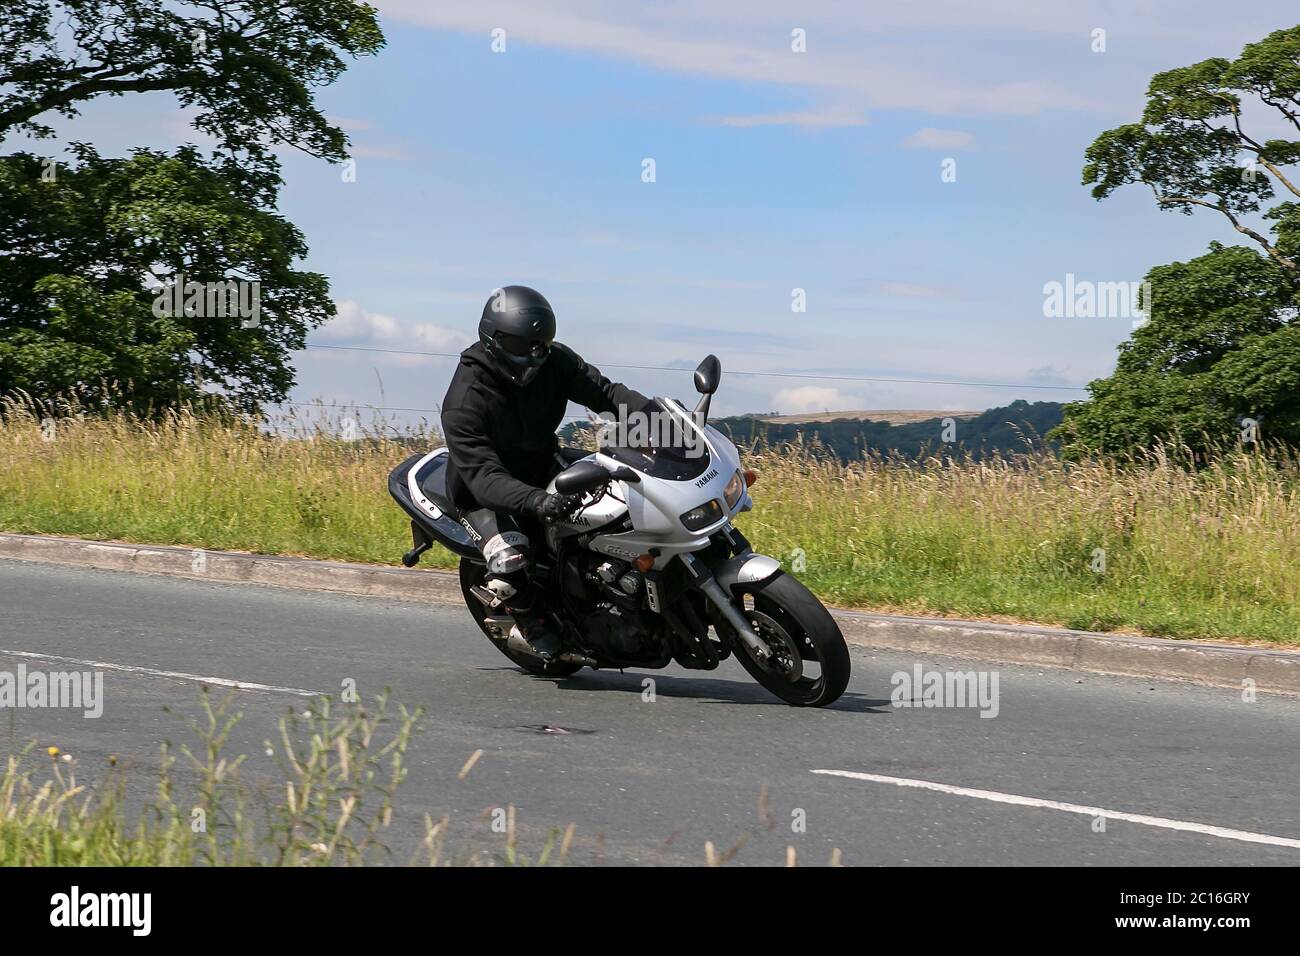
(795, 375)
(343, 406)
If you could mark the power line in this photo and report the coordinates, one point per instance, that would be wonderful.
(389, 408)
(795, 375)
(358, 405)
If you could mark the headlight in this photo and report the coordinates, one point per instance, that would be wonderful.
(703, 516)
(735, 488)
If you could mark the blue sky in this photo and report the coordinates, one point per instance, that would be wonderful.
(775, 170)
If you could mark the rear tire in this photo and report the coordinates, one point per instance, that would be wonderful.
(789, 617)
(473, 573)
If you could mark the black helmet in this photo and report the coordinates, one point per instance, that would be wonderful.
(517, 329)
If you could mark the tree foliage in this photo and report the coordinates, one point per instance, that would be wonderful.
(1218, 361)
(1220, 351)
(1194, 150)
(84, 245)
(82, 258)
(247, 68)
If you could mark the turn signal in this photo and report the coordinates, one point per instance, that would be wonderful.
(750, 478)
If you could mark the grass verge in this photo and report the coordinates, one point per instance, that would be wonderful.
(1151, 546)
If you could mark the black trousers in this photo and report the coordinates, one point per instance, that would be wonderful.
(500, 536)
(505, 546)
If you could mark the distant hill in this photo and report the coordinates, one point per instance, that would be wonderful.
(911, 433)
(894, 416)
(1007, 429)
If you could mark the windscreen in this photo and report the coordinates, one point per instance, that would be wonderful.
(658, 442)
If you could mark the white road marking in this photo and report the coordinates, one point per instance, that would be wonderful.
(174, 675)
(1226, 833)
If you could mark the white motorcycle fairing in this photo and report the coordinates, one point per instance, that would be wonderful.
(655, 505)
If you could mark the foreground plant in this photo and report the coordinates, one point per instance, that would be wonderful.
(342, 767)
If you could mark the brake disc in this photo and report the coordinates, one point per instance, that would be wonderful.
(785, 660)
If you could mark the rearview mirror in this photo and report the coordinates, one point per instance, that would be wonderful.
(580, 477)
(708, 375)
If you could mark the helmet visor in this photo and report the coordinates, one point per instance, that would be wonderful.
(517, 346)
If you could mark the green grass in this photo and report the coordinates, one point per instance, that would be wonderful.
(1213, 553)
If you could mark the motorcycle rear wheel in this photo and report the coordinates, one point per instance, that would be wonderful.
(473, 573)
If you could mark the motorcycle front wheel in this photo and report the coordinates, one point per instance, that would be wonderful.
(809, 666)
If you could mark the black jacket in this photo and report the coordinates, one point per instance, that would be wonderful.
(502, 436)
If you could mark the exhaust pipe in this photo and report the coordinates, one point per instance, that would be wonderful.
(503, 628)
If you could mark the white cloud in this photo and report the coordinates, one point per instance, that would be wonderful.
(849, 57)
(814, 398)
(931, 138)
(916, 290)
(1049, 375)
(355, 326)
(816, 120)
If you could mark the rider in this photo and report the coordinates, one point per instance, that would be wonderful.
(506, 400)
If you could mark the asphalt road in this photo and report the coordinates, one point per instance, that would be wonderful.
(650, 781)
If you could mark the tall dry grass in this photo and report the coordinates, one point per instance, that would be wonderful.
(206, 482)
(1151, 545)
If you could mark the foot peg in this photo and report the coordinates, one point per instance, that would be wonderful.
(422, 544)
(412, 557)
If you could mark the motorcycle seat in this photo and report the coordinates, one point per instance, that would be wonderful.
(432, 480)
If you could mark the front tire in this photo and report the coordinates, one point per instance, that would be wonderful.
(474, 573)
(810, 665)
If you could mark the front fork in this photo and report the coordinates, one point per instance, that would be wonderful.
(708, 584)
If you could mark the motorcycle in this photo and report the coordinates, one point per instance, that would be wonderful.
(650, 568)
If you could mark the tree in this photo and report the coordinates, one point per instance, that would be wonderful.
(82, 260)
(1219, 349)
(247, 67)
(1193, 150)
(83, 248)
(1220, 346)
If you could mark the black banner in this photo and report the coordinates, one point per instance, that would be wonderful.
(257, 906)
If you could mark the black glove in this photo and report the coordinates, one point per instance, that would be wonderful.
(556, 506)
